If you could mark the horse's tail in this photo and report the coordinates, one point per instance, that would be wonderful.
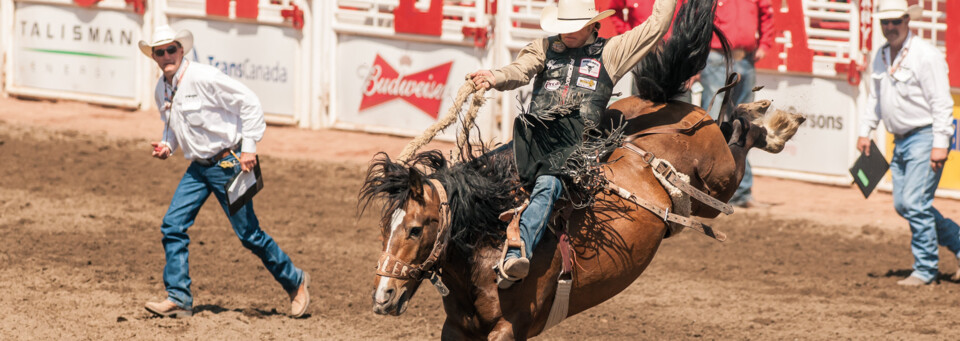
(665, 70)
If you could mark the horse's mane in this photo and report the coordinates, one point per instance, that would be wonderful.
(478, 190)
(665, 70)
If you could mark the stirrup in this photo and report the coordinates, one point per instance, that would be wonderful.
(505, 280)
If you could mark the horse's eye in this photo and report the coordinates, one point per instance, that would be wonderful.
(415, 232)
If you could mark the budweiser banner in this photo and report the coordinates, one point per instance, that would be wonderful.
(400, 87)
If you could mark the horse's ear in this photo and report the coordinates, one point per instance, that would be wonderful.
(416, 183)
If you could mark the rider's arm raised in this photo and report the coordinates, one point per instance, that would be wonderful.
(528, 63)
(624, 51)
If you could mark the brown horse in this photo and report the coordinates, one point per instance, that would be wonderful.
(439, 221)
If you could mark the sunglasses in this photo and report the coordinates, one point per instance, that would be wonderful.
(169, 50)
(894, 22)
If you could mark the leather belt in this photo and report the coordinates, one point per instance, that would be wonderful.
(911, 132)
(217, 157)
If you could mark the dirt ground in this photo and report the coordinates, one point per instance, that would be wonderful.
(81, 201)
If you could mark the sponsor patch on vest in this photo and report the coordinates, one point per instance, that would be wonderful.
(552, 84)
(588, 83)
(557, 46)
(590, 67)
(552, 64)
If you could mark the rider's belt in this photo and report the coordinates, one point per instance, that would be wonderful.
(911, 132)
(217, 157)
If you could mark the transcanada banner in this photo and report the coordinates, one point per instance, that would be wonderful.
(76, 50)
(262, 57)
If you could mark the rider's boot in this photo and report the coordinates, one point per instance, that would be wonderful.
(532, 223)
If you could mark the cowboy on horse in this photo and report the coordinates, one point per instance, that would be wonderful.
(575, 74)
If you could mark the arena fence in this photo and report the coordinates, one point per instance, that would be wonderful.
(393, 66)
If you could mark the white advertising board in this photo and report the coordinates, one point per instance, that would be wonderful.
(824, 144)
(76, 50)
(401, 87)
(262, 57)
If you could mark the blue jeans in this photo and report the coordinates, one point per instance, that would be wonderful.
(533, 220)
(195, 186)
(712, 78)
(914, 183)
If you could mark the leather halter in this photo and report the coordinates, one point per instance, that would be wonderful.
(390, 266)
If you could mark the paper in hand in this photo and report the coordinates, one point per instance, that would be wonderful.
(242, 187)
(868, 170)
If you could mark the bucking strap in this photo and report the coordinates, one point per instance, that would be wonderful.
(675, 180)
(665, 213)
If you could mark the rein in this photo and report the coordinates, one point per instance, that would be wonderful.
(390, 266)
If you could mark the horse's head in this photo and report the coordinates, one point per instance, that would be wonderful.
(412, 228)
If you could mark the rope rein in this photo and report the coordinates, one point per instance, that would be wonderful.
(468, 121)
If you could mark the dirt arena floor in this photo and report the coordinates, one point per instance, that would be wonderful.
(81, 201)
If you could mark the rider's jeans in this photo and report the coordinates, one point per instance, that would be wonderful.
(712, 78)
(533, 220)
(914, 183)
(195, 186)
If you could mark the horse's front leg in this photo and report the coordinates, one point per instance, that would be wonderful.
(504, 331)
(453, 331)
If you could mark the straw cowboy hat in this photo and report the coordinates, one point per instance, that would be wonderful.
(164, 35)
(892, 9)
(570, 16)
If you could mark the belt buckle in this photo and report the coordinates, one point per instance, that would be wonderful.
(738, 54)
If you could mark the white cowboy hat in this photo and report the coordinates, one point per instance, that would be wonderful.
(892, 9)
(570, 16)
(164, 35)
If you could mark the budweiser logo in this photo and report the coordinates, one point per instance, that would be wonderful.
(423, 89)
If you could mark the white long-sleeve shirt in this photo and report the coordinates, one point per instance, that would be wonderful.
(210, 112)
(909, 92)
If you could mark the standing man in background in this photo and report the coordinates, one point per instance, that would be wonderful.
(213, 118)
(910, 92)
(748, 24)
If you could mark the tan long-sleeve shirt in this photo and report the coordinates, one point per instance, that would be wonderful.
(620, 53)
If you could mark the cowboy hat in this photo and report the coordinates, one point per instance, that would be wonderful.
(570, 16)
(164, 35)
(892, 9)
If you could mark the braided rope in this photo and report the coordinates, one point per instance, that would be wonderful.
(465, 90)
(470, 118)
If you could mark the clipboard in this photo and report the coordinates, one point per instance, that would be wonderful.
(242, 187)
(868, 170)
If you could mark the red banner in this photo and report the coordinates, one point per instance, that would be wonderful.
(423, 89)
(953, 41)
(408, 19)
(799, 57)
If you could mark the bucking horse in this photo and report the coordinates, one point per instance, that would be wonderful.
(440, 220)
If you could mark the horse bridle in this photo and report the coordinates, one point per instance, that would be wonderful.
(390, 266)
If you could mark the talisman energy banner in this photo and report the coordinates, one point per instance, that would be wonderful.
(75, 49)
(401, 86)
(262, 57)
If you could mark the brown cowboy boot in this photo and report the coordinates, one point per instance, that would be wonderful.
(300, 298)
(168, 308)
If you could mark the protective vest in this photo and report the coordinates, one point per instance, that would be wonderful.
(570, 76)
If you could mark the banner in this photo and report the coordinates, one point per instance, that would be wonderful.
(76, 49)
(824, 143)
(262, 57)
(401, 86)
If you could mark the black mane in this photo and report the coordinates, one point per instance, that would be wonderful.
(664, 71)
(478, 190)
